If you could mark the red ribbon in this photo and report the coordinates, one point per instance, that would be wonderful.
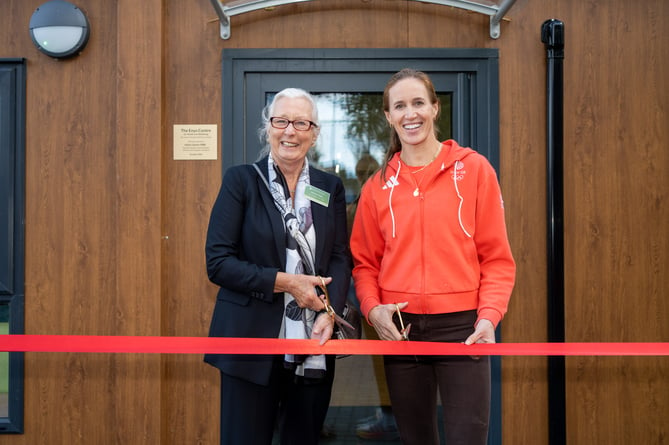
(201, 345)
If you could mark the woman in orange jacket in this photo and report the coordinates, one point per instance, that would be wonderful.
(431, 252)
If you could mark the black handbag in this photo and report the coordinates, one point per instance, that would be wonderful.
(353, 329)
(347, 325)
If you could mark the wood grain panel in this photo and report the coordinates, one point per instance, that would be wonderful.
(329, 24)
(192, 96)
(617, 243)
(522, 86)
(438, 26)
(92, 225)
(70, 258)
(137, 197)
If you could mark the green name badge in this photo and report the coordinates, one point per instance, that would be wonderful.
(317, 195)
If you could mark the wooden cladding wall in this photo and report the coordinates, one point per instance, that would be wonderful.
(94, 144)
(616, 241)
(115, 228)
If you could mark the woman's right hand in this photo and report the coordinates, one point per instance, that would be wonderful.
(302, 288)
(381, 318)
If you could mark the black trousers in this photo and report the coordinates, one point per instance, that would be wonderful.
(295, 406)
(462, 382)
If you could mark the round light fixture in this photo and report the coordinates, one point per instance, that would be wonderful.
(59, 29)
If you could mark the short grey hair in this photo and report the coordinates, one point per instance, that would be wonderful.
(268, 111)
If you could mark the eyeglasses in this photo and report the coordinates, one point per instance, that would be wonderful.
(405, 330)
(300, 125)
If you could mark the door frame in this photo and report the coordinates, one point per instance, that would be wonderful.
(475, 106)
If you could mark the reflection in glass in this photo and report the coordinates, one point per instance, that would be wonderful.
(353, 129)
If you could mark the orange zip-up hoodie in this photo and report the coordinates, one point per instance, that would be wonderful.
(440, 244)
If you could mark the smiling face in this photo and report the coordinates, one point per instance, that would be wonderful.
(411, 112)
(288, 146)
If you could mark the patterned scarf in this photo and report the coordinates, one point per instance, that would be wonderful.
(300, 245)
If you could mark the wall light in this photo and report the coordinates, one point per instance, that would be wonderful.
(59, 29)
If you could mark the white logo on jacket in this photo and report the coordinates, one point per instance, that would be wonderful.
(459, 171)
(391, 183)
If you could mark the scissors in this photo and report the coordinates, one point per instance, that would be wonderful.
(329, 309)
(405, 330)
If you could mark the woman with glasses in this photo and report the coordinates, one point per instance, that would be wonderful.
(432, 263)
(277, 233)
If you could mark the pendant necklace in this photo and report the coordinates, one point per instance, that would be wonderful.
(416, 192)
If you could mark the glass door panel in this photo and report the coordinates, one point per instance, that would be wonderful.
(354, 135)
(359, 96)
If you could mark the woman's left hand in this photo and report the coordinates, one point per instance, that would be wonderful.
(484, 332)
(323, 328)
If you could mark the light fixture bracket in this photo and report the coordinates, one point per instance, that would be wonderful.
(494, 11)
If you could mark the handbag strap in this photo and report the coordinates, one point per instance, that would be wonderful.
(264, 179)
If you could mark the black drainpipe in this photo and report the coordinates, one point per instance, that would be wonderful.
(552, 35)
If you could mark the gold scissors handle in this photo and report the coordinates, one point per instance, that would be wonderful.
(404, 331)
(329, 309)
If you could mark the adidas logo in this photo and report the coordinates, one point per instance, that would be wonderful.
(392, 182)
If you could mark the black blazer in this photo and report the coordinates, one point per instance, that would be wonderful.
(246, 247)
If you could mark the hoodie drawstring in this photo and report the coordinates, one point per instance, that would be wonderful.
(457, 191)
(462, 200)
(390, 196)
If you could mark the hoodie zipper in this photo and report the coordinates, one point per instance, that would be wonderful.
(433, 177)
(423, 261)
